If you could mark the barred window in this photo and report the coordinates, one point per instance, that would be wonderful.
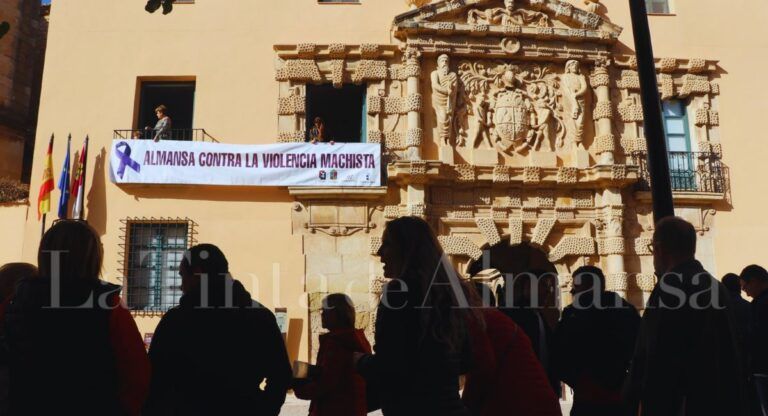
(153, 251)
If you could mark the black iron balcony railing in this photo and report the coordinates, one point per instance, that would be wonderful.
(193, 135)
(689, 172)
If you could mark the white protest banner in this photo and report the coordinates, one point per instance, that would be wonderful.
(282, 164)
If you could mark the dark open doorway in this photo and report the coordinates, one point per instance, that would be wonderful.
(342, 110)
(177, 96)
(513, 259)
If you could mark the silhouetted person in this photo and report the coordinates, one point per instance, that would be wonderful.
(10, 275)
(338, 390)
(594, 343)
(755, 283)
(211, 353)
(506, 377)
(421, 345)
(525, 304)
(687, 360)
(74, 349)
(742, 309)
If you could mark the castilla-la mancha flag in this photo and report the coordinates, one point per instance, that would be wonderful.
(78, 184)
(44, 197)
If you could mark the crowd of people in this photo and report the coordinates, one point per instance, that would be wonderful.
(443, 345)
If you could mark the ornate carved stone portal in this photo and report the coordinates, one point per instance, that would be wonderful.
(502, 122)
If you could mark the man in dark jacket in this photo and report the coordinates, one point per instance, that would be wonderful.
(687, 360)
(211, 353)
(524, 302)
(594, 343)
(741, 307)
(755, 281)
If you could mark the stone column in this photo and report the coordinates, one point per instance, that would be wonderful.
(605, 143)
(414, 134)
(612, 247)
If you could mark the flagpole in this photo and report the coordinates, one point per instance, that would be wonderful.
(81, 195)
(42, 230)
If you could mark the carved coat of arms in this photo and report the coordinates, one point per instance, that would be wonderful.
(525, 105)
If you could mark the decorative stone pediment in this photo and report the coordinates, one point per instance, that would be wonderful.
(551, 19)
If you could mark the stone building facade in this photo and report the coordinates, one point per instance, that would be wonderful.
(505, 123)
(513, 127)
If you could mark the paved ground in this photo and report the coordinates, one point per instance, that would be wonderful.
(296, 407)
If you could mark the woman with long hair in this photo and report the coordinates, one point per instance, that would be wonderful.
(421, 345)
(73, 348)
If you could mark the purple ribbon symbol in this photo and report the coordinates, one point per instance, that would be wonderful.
(125, 159)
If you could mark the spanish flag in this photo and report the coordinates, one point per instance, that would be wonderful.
(44, 197)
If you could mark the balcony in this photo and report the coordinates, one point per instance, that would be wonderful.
(690, 172)
(190, 135)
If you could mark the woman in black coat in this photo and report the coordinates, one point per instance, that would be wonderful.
(421, 346)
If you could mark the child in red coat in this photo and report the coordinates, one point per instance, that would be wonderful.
(337, 389)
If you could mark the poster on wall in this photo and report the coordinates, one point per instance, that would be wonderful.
(281, 164)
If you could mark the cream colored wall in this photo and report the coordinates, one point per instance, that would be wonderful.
(12, 219)
(735, 34)
(96, 51)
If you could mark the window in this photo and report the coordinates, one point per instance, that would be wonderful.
(177, 96)
(154, 249)
(341, 109)
(679, 145)
(657, 6)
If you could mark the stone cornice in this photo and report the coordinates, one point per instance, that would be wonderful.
(557, 9)
(541, 33)
(693, 198)
(619, 176)
(670, 65)
(335, 51)
(346, 193)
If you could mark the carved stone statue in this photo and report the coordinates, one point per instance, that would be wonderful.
(543, 104)
(508, 16)
(483, 122)
(574, 87)
(444, 88)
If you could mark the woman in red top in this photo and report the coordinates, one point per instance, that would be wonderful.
(68, 336)
(337, 390)
(506, 378)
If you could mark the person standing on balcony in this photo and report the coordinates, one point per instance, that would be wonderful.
(317, 132)
(162, 128)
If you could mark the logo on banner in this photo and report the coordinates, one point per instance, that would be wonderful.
(322, 175)
(123, 152)
(334, 175)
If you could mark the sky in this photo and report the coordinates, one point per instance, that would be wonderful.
(46, 1)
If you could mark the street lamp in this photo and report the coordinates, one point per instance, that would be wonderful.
(658, 164)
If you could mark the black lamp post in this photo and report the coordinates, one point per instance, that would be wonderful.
(658, 163)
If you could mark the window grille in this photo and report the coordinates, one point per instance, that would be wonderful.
(153, 249)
